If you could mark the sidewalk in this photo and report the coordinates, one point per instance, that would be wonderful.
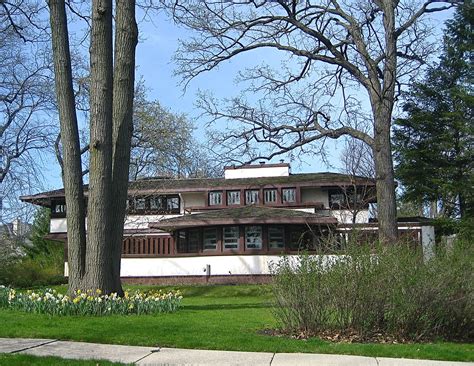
(175, 356)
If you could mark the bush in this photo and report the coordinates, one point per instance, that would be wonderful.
(393, 292)
(90, 302)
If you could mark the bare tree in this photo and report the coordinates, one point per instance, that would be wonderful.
(358, 164)
(26, 103)
(94, 260)
(340, 53)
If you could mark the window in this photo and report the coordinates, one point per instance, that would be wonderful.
(251, 197)
(276, 237)
(193, 240)
(139, 203)
(58, 209)
(253, 237)
(270, 195)
(215, 198)
(231, 237)
(172, 204)
(288, 194)
(233, 197)
(210, 239)
(156, 203)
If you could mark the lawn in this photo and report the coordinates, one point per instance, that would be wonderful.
(212, 317)
(27, 360)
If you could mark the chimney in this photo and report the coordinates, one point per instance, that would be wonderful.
(262, 162)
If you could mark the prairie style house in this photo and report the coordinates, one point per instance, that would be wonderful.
(231, 229)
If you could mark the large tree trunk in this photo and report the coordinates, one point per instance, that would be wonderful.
(385, 183)
(98, 259)
(72, 173)
(126, 37)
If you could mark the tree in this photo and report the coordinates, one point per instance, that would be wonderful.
(358, 165)
(94, 260)
(336, 52)
(163, 144)
(26, 103)
(434, 144)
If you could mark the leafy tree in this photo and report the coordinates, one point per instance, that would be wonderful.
(335, 56)
(434, 144)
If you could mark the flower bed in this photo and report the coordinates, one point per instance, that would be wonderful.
(90, 302)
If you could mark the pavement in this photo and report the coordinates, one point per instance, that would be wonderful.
(176, 356)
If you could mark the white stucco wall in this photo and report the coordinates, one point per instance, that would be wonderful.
(195, 266)
(193, 199)
(345, 216)
(315, 195)
(263, 171)
(58, 226)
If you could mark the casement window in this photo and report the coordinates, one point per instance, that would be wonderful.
(209, 237)
(251, 197)
(172, 204)
(156, 203)
(139, 204)
(230, 237)
(193, 240)
(215, 198)
(270, 195)
(276, 237)
(233, 197)
(59, 208)
(288, 194)
(253, 237)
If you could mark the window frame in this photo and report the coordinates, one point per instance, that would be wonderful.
(252, 191)
(283, 196)
(224, 244)
(230, 193)
(247, 231)
(274, 192)
(215, 230)
(210, 201)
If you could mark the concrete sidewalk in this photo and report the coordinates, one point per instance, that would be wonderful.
(175, 356)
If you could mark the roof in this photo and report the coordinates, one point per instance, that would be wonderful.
(245, 215)
(168, 186)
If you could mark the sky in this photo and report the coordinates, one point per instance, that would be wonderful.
(158, 42)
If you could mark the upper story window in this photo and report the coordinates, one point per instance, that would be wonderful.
(251, 196)
(154, 204)
(139, 203)
(233, 197)
(172, 204)
(270, 195)
(58, 209)
(215, 198)
(253, 237)
(288, 194)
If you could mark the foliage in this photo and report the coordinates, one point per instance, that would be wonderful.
(434, 143)
(212, 317)
(163, 144)
(43, 261)
(393, 292)
(90, 302)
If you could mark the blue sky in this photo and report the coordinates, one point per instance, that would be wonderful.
(158, 42)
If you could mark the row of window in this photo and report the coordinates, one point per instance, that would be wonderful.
(161, 204)
(252, 196)
(228, 238)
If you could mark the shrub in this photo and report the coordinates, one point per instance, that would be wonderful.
(393, 292)
(90, 302)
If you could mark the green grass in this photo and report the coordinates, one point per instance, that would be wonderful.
(212, 317)
(27, 360)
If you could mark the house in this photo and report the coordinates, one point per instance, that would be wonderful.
(230, 229)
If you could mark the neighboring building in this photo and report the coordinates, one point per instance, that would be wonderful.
(230, 229)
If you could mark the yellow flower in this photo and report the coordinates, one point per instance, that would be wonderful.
(98, 291)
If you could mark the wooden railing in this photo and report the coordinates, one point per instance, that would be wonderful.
(153, 246)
